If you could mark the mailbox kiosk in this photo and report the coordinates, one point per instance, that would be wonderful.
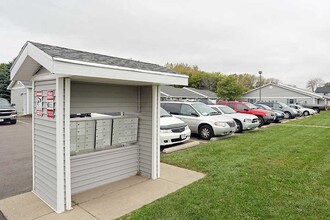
(78, 141)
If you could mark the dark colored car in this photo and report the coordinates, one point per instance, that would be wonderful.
(289, 113)
(7, 112)
(265, 116)
(279, 115)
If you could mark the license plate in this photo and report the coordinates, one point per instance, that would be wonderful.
(183, 136)
(1, 120)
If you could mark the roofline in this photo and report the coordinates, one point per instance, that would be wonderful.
(287, 87)
(191, 90)
(117, 67)
(11, 84)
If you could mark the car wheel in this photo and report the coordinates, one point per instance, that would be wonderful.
(13, 122)
(306, 113)
(261, 120)
(239, 126)
(287, 115)
(205, 132)
(316, 109)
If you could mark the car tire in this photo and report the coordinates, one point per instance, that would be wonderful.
(205, 132)
(239, 126)
(287, 115)
(261, 120)
(306, 113)
(13, 122)
(316, 109)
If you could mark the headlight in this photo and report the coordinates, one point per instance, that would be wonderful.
(186, 128)
(248, 120)
(165, 131)
(220, 124)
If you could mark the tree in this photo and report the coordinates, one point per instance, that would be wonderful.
(327, 84)
(209, 81)
(229, 88)
(5, 80)
(312, 84)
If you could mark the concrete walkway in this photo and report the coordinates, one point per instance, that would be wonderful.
(106, 202)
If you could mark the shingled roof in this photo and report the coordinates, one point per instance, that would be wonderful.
(77, 55)
(322, 90)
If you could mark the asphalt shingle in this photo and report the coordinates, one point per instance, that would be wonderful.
(77, 55)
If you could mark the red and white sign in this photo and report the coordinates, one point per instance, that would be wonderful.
(39, 103)
(50, 104)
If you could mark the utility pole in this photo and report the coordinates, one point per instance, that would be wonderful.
(260, 72)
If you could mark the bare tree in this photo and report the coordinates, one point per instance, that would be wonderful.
(312, 84)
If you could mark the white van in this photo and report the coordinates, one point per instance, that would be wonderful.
(172, 130)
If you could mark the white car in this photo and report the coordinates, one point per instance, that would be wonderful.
(172, 130)
(243, 121)
(201, 118)
(303, 110)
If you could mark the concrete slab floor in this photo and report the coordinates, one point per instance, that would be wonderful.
(106, 202)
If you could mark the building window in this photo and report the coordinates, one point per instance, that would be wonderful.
(291, 101)
(252, 100)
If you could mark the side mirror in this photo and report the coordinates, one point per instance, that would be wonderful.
(246, 109)
(194, 114)
(280, 106)
(13, 105)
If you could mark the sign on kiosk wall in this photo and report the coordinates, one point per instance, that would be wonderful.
(50, 104)
(39, 103)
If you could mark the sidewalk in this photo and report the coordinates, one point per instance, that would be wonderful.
(105, 202)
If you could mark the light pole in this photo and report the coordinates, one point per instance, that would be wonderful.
(260, 72)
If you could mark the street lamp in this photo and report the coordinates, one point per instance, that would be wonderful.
(260, 72)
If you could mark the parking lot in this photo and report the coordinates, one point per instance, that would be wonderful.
(15, 158)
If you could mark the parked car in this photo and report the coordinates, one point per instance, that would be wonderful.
(7, 111)
(201, 119)
(264, 116)
(243, 121)
(289, 113)
(305, 111)
(172, 130)
(279, 115)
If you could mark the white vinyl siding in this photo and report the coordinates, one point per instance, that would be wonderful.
(275, 93)
(98, 168)
(145, 131)
(95, 169)
(97, 97)
(45, 169)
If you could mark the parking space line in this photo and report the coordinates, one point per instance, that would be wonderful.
(23, 122)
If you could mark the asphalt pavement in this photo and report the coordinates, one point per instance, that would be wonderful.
(15, 158)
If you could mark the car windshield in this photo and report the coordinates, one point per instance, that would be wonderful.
(227, 110)
(283, 105)
(4, 103)
(164, 113)
(204, 109)
(265, 107)
(250, 105)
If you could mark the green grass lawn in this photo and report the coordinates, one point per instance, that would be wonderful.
(279, 172)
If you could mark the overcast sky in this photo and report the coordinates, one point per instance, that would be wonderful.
(288, 40)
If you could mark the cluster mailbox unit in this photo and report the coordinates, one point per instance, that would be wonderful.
(89, 134)
(78, 142)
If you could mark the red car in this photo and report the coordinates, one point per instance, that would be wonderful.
(265, 116)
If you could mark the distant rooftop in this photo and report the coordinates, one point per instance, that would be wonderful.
(322, 89)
